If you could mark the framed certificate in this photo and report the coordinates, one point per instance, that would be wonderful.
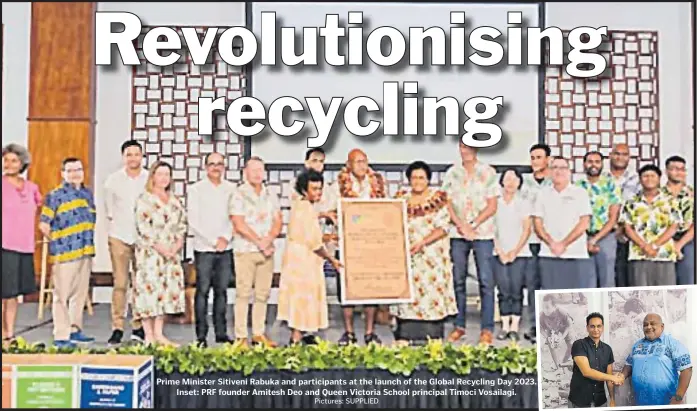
(374, 248)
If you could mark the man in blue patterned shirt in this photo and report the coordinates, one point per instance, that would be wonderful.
(660, 366)
(67, 219)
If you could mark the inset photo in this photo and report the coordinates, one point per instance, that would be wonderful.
(633, 348)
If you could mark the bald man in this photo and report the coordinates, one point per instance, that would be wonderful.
(660, 366)
(627, 179)
(358, 180)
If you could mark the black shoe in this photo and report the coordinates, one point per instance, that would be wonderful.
(531, 335)
(372, 337)
(224, 339)
(138, 335)
(116, 337)
(348, 338)
(201, 342)
(309, 339)
(502, 335)
(513, 336)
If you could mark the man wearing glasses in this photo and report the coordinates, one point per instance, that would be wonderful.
(67, 219)
(627, 179)
(208, 202)
(561, 217)
(684, 238)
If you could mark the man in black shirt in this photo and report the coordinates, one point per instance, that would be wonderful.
(593, 361)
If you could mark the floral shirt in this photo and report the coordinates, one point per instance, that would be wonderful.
(686, 205)
(628, 182)
(603, 194)
(258, 210)
(469, 196)
(650, 220)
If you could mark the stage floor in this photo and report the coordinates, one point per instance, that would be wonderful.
(99, 327)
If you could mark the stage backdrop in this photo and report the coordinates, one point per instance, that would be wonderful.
(646, 102)
(624, 312)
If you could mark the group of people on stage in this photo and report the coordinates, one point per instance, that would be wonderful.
(538, 230)
(660, 367)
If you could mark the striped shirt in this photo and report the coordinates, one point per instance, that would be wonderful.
(71, 214)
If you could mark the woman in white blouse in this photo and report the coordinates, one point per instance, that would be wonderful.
(513, 221)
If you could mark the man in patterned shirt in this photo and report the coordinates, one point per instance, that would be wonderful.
(540, 177)
(684, 238)
(67, 219)
(605, 198)
(627, 179)
(660, 366)
(256, 217)
(650, 220)
(472, 191)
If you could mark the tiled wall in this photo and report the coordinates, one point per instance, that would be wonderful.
(581, 114)
(619, 106)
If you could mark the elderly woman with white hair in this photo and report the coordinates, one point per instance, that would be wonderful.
(20, 202)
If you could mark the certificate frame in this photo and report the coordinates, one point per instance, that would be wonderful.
(342, 255)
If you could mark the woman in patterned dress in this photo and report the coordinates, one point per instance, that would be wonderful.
(428, 222)
(159, 279)
(302, 299)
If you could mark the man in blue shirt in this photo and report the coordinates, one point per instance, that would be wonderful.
(660, 366)
(67, 220)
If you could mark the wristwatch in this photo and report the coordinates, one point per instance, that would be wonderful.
(677, 397)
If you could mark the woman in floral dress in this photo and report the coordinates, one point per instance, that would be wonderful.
(302, 298)
(159, 279)
(428, 221)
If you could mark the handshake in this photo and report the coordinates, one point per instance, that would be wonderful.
(617, 378)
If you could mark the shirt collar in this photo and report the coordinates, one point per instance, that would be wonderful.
(590, 340)
(661, 194)
(602, 179)
(659, 339)
(626, 175)
(68, 186)
(125, 174)
(248, 187)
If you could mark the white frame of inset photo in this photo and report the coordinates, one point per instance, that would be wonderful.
(598, 301)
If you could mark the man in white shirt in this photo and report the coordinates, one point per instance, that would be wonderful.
(562, 217)
(541, 176)
(121, 190)
(208, 202)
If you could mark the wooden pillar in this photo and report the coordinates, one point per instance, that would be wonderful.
(61, 92)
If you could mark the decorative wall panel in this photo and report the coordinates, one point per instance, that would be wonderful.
(619, 106)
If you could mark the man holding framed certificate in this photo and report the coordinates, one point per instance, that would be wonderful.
(373, 245)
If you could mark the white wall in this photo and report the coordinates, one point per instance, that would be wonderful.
(113, 111)
(15, 72)
(672, 21)
(519, 88)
